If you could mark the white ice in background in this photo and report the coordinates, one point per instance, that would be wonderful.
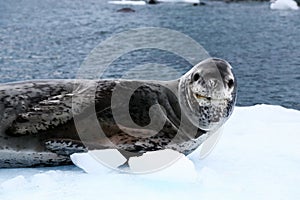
(140, 2)
(284, 5)
(127, 2)
(180, 1)
(257, 157)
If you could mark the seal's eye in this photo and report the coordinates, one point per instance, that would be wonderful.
(230, 83)
(196, 77)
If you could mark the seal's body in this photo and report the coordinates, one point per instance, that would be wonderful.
(42, 122)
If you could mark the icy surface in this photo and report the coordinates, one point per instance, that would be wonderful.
(257, 157)
(284, 5)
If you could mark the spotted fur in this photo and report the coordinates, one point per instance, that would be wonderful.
(37, 117)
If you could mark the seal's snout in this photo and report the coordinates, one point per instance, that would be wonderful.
(207, 87)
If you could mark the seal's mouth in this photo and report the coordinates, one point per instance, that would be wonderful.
(200, 97)
(208, 98)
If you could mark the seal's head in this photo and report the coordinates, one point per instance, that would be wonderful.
(207, 93)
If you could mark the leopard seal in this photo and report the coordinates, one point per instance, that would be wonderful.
(37, 125)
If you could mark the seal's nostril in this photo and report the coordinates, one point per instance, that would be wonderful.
(212, 83)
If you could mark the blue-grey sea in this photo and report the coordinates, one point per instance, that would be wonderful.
(51, 39)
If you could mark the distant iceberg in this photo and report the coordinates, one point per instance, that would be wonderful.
(179, 1)
(257, 157)
(127, 2)
(141, 2)
(284, 5)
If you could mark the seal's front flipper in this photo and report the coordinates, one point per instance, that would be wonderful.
(65, 147)
(43, 116)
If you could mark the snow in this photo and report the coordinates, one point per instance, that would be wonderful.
(257, 157)
(283, 5)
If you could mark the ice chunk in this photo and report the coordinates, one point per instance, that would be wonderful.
(178, 167)
(180, 1)
(283, 5)
(92, 162)
(153, 161)
(125, 2)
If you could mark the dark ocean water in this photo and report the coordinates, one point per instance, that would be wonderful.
(50, 39)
